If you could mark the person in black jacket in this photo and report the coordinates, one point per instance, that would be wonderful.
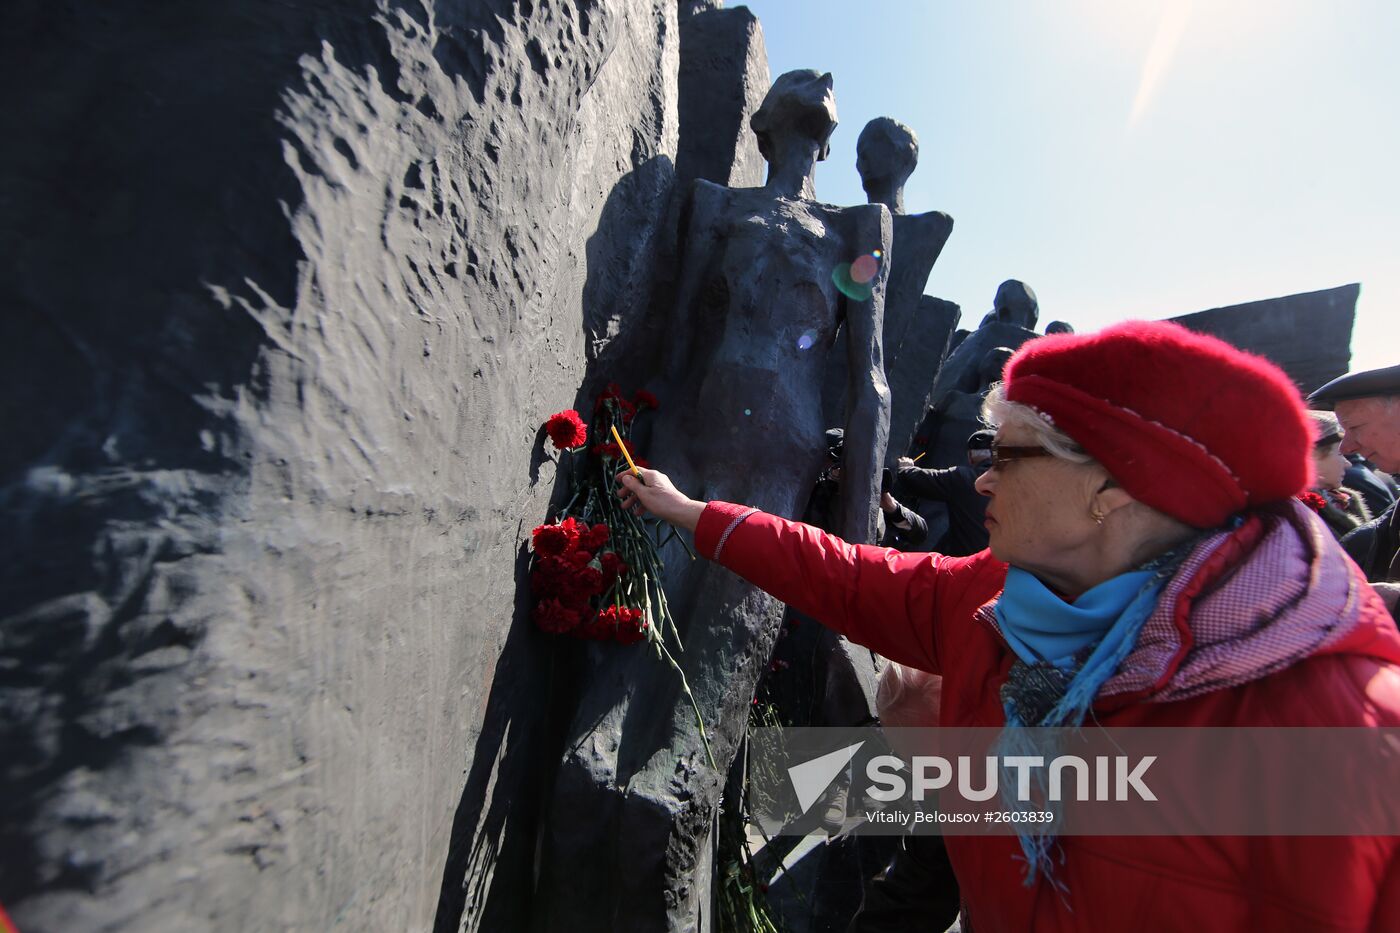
(1378, 494)
(904, 528)
(967, 508)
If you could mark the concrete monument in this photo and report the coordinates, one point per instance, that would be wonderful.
(917, 327)
(757, 306)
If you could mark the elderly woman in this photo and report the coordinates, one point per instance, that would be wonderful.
(1148, 557)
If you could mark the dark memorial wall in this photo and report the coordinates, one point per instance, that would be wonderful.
(289, 289)
(1309, 334)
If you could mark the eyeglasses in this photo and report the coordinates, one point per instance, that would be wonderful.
(1002, 455)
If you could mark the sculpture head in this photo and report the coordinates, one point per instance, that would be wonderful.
(886, 154)
(992, 363)
(799, 104)
(1016, 303)
(1058, 327)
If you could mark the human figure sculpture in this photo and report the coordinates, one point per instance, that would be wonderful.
(1015, 303)
(915, 332)
(1010, 323)
(976, 362)
(756, 311)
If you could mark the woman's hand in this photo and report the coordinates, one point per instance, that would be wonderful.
(654, 493)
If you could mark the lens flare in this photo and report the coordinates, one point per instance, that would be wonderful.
(863, 269)
(807, 340)
(847, 285)
(748, 411)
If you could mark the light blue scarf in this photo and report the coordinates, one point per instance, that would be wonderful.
(1095, 633)
(1040, 626)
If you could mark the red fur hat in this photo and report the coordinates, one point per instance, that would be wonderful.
(1188, 424)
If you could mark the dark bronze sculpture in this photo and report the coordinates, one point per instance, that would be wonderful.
(917, 328)
(972, 366)
(756, 313)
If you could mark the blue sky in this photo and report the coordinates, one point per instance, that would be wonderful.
(1130, 158)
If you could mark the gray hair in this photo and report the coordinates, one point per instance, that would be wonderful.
(998, 410)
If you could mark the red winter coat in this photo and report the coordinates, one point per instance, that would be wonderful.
(928, 611)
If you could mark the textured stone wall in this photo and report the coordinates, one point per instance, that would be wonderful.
(289, 288)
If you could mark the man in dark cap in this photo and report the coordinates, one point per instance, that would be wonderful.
(1368, 406)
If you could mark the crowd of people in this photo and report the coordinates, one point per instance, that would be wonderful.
(1170, 536)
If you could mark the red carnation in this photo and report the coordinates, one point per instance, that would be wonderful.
(575, 529)
(1313, 501)
(629, 411)
(566, 429)
(579, 558)
(613, 566)
(557, 576)
(551, 539)
(575, 598)
(598, 536)
(644, 399)
(631, 626)
(589, 580)
(613, 390)
(600, 627)
(553, 616)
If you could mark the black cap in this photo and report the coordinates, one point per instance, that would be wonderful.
(981, 440)
(1371, 383)
(835, 441)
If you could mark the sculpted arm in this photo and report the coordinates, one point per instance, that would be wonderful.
(868, 409)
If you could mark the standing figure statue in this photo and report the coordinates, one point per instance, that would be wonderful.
(1015, 303)
(973, 364)
(917, 327)
(758, 306)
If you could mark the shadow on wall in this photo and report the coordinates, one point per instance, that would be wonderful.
(488, 876)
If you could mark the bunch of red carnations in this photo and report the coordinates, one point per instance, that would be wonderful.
(573, 567)
(597, 570)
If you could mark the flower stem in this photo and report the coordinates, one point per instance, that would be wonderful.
(685, 686)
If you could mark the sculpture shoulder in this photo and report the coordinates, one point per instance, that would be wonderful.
(866, 220)
(929, 220)
(706, 197)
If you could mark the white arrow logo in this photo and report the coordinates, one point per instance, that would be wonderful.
(811, 778)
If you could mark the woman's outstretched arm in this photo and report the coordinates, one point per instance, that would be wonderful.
(891, 602)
